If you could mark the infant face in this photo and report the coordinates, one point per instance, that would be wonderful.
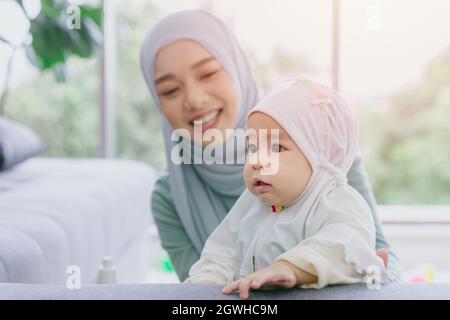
(294, 171)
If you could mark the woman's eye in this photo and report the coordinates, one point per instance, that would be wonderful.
(277, 148)
(169, 93)
(209, 74)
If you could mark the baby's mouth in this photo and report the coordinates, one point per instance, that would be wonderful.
(261, 186)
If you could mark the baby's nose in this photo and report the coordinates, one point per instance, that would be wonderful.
(261, 161)
(257, 166)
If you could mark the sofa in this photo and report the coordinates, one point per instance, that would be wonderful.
(393, 291)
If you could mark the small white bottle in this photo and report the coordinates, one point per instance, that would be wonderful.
(107, 271)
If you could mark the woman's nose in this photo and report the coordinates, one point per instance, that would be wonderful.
(195, 98)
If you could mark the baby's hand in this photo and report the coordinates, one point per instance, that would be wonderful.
(278, 274)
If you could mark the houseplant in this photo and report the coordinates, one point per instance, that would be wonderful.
(60, 31)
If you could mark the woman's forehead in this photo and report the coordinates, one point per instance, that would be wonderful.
(185, 53)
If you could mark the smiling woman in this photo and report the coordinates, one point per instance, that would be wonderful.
(191, 200)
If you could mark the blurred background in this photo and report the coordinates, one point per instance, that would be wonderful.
(85, 96)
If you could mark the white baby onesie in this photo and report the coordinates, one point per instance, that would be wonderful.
(335, 240)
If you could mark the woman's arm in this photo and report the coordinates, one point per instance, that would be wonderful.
(358, 179)
(174, 238)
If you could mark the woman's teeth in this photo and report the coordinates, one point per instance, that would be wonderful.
(208, 119)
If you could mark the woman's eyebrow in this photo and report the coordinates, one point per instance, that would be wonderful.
(164, 78)
(203, 61)
(194, 66)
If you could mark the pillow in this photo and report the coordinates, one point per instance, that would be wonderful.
(17, 143)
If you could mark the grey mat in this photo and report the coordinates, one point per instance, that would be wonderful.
(393, 291)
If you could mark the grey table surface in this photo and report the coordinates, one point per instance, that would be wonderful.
(393, 291)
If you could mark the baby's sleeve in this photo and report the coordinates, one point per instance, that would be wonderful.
(219, 262)
(339, 247)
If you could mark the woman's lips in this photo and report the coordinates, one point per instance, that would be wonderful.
(207, 120)
(261, 186)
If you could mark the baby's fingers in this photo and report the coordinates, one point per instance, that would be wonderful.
(231, 287)
(257, 282)
(275, 279)
(244, 287)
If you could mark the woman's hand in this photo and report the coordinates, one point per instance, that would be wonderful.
(279, 274)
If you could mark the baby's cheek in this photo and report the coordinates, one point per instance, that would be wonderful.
(290, 181)
(248, 177)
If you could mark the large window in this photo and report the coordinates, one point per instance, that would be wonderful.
(390, 58)
(138, 127)
(395, 69)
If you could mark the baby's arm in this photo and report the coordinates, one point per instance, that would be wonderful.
(218, 262)
(340, 243)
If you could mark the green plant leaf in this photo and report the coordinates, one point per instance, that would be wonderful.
(50, 41)
(86, 40)
(95, 14)
(54, 43)
(52, 8)
(81, 43)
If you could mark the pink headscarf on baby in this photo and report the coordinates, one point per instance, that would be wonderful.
(321, 124)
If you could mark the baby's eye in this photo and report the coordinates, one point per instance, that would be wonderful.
(277, 148)
(252, 148)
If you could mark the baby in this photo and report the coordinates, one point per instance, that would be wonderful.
(299, 224)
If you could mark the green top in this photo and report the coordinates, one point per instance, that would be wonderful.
(182, 253)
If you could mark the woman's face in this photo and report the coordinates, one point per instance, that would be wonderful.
(294, 171)
(193, 86)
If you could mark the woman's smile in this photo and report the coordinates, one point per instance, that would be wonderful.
(208, 120)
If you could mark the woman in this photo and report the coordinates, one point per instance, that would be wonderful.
(196, 71)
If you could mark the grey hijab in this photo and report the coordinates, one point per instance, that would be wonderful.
(198, 189)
